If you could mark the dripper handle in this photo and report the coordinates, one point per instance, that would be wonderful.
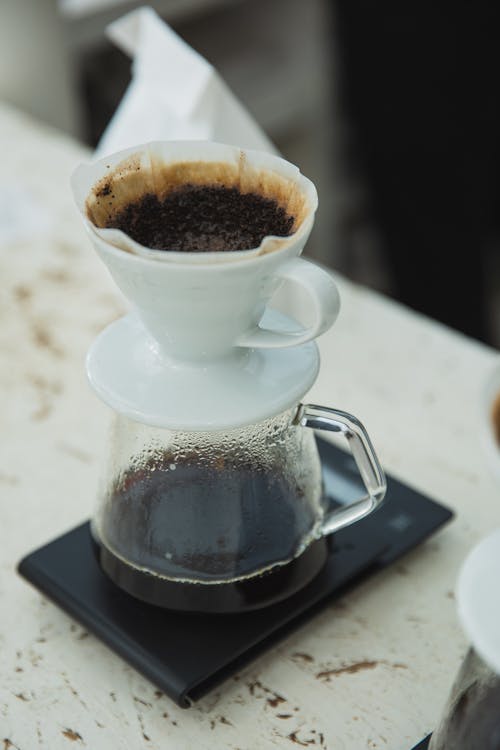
(324, 304)
(333, 420)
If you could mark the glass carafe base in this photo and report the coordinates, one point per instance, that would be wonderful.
(244, 595)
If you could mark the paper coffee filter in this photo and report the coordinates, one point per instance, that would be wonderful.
(107, 186)
(174, 94)
(121, 185)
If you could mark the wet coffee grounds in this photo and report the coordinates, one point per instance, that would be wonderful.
(196, 218)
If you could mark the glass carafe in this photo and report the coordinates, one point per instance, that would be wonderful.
(224, 520)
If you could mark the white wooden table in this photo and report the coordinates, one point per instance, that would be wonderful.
(370, 671)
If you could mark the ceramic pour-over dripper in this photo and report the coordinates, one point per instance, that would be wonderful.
(203, 322)
(213, 496)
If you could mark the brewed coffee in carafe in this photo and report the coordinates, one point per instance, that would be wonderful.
(210, 508)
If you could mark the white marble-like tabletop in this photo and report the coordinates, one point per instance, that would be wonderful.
(371, 670)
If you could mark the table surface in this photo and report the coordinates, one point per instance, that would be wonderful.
(370, 671)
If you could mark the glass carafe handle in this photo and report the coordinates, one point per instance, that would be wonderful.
(332, 420)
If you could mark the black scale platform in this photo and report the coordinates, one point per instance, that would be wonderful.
(186, 655)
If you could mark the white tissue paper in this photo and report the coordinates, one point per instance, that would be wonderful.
(175, 94)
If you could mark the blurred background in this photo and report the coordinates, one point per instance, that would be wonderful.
(392, 109)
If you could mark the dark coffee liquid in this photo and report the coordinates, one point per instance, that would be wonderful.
(203, 218)
(203, 521)
(208, 524)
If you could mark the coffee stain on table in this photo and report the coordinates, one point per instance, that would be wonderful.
(42, 413)
(314, 738)
(273, 699)
(70, 734)
(360, 666)
(67, 249)
(141, 723)
(42, 338)
(46, 390)
(293, 738)
(34, 657)
(276, 700)
(220, 720)
(41, 335)
(140, 700)
(56, 275)
(74, 452)
(301, 656)
(74, 691)
(9, 479)
(22, 293)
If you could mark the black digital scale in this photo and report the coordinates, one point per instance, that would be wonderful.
(186, 655)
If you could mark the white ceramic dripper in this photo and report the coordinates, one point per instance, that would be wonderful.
(202, 322)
